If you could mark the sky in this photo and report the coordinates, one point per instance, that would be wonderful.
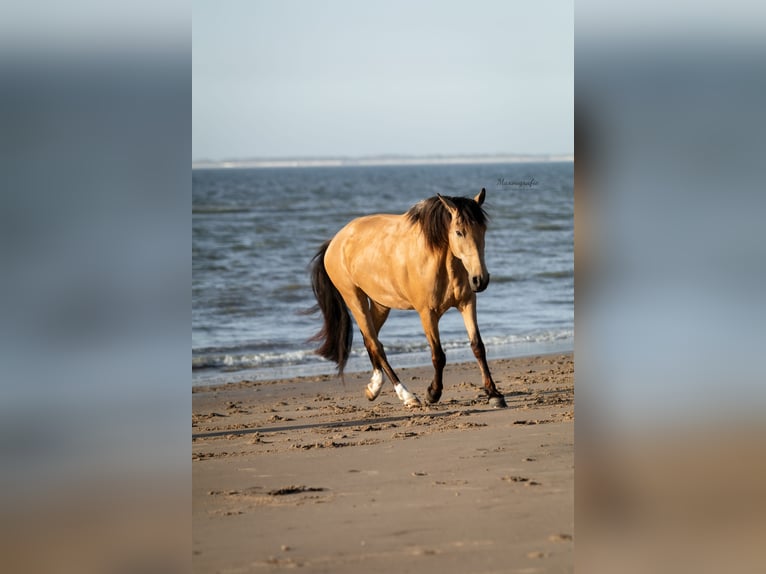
(340, 78)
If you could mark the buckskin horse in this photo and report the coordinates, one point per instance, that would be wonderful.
(429, 259)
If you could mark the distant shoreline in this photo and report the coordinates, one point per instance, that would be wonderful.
(385, 160)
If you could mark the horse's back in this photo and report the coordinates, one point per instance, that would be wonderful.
(373, 253)
(367, 234)
(370, 225)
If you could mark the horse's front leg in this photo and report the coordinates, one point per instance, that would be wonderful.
(430, 322)
(496, 398)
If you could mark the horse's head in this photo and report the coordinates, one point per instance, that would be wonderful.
(466, 240)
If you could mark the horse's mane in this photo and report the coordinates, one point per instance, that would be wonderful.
(434, 219)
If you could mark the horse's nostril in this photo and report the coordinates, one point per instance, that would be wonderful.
(479, 283)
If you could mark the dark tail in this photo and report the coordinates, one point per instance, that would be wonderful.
(337, 333)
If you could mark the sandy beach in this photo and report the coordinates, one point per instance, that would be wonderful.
(307, 473)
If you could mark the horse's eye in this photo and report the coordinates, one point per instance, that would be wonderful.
(459, 233)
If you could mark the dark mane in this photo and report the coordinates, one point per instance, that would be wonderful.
(434, 219)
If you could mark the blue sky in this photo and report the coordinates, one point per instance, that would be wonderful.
(301, 78)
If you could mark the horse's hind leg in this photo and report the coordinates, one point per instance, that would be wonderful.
(379, 316)
(361, 308)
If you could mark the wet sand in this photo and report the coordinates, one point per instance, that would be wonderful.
(307, 473)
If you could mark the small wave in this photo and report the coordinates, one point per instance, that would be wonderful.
(241, 359)
(507, 279)
(563, 274)
(208, 209)
(500, 279)
(235, 361)
(552, 227)
(538, 337)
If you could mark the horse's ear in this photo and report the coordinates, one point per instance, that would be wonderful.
(448, 203)
(480, 197)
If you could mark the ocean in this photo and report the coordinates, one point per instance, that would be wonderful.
(254, 232)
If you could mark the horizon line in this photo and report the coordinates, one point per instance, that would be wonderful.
(379, 160)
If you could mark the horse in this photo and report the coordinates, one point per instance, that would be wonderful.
(429, 259)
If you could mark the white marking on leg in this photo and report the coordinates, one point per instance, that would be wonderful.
(406, 396)
(376, 383)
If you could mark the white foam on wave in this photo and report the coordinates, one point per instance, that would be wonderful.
(222, 367)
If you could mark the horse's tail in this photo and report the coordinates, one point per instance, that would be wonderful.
(337, 333)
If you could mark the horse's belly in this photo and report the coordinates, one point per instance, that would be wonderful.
(382, 291)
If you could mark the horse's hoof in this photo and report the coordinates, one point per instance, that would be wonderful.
(433, 398)
(369, 394)
(412, 402)
(497, 402)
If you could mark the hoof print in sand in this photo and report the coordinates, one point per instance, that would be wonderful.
(287, 490)
(522, 479)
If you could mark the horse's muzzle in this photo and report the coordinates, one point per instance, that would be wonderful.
(479, 284)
